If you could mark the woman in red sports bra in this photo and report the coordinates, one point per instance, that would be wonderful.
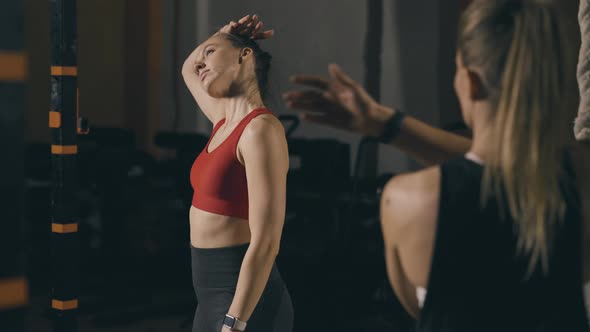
(239, 182)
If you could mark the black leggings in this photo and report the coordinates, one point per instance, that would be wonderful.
(215, 275)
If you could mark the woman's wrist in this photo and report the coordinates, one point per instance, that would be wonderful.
(233, 323)
(387, 123)
(392, 127)
(380, 116)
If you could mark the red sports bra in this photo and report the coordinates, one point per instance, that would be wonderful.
(218, 178)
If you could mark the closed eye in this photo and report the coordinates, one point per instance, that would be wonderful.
(209, 52)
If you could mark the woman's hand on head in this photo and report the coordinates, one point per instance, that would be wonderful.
(248, 26)
(338, 101)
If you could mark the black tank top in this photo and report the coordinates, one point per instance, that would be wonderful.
(478, 280)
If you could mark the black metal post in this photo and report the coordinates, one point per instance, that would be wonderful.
(63, 122)
(368, 152)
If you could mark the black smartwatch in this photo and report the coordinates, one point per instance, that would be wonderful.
(392, 127)
(234, 324)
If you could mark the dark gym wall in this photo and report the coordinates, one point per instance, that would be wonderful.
(178, 108)
(14, 296)
(142, 65)
(101, 61)
(101, 70)
(411, 66)
(37, 37)
(119, 64)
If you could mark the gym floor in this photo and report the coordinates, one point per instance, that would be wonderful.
(145, 318)
(178, 319)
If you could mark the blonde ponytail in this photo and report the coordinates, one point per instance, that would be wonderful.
(531, 113)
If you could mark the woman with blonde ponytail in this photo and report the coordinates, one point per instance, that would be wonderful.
(500, 238)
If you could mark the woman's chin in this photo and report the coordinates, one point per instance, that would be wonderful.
(219, 88)
(216, 94)
(214, 90)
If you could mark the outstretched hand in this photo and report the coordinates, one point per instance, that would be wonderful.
(338, 101)
(248, 26)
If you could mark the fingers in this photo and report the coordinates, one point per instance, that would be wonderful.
(244, 19)
(339, 92)
(228, 27)
(243, 26)
(323, 83)
(311, 80)
(264, 35)
(338, 74)
(314, 107)
(248, 26)
(340, 77)
(257, 28)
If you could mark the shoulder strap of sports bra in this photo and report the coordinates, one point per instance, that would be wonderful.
(237, 132)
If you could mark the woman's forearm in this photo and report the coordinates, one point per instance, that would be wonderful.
(427, 144)
(206, 103)
(254, 274)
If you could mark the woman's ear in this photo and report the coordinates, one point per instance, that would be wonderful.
(246, 51)
(477, 90)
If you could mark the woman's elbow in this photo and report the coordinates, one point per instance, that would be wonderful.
(266, 247)
(185, 72)
(273, 248)
(187, 68)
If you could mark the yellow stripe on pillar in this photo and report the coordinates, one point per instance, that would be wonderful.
(64, 149)
(64, 305)
(54, 119)
(64, 228)
(64, 71)
(14, 293)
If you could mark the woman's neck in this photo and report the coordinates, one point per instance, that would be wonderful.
(236, 108)
(482, 139)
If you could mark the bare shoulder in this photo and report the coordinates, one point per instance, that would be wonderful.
(264, 126)
(415, 187)
(411, 200)
(264, 139)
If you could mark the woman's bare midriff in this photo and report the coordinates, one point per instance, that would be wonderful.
(210, 230)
